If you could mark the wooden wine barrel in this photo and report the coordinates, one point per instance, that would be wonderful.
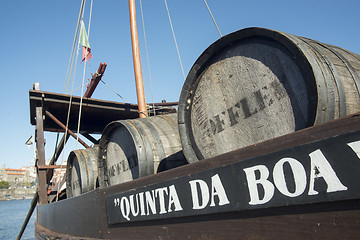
(130, 149)
(81, 171)
(257, 84)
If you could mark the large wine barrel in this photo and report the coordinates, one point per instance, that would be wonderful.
(257, 84)
(81, 171)
(130, 149)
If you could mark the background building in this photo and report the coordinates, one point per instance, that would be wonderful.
(18, 177)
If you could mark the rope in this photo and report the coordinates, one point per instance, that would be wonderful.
(72, 57)
(114, 91)
(148, 106)
(81, 16)
(212, 17)
(147, 55)
(72, 54)
(172, 29)
(56, 143)
(83, 83)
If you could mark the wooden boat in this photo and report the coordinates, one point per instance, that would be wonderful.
(298, 184)
(227, 208)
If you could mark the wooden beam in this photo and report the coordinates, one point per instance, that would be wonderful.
(51, 166)
(90, 138)
(95, 80)
(40, 155)
(65, 128)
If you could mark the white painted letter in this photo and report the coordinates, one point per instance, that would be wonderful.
(150, 202)
(355, 147)
(298, 173)
(174, 199)
(142, 204)
(160, 193)
(320, 167)
(132, 206)
(204, 194)
(218, 189)
(253, 182)
(125, 208)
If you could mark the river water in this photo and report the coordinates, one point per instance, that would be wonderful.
(12, 216)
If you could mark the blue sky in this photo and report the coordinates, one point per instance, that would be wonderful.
(37, 36)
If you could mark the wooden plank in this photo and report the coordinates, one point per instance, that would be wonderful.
(42, 167)
(40, 155)
(78, 216)
(324, 221)
(96, 114)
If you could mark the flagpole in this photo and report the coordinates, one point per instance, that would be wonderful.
(137, 63)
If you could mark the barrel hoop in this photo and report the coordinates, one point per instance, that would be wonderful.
(95, 167)
(149, 163)
(86, 156)
(155, 134)
(134, 129)
(193, 144)
(321, 115)
(104, 141)
(351, 70)
(171, 122)
(340, 88)
(89, 165)
(325, 61)
(69, 166)
(103, 179)
(82, 166)
(352, 54)
(101, 156)
(90, 171)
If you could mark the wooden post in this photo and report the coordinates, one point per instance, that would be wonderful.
(136, 59)
(40, 155)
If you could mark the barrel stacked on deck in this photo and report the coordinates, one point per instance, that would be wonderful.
(249, 86)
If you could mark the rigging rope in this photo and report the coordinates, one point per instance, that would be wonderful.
(172, 29)
(75, 47)
(72, 54)
(72, 86)
(212, 18)
(113, 91)
(69, 71)
(147, 55)
(83, 83)
(81, 15)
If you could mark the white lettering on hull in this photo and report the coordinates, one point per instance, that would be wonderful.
(286, 178)
(146, 202)
(319, 168)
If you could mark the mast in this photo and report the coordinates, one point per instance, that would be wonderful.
(137, 63)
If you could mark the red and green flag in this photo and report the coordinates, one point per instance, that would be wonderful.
(84, 41)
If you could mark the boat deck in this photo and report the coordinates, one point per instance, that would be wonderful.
(96, 114)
